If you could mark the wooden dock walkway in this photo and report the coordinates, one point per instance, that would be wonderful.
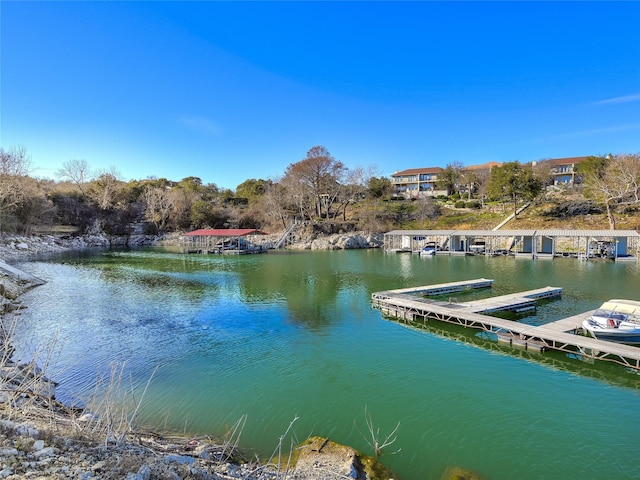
(558, 335)
(442, 288)
(516, 302)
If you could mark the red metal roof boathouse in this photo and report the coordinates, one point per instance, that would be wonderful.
(234, 241)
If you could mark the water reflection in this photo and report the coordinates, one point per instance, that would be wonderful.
(406, 265)
(276, 335)
(605, 372)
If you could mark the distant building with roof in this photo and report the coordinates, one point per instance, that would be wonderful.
(562, 171)
(485, 167)
(418, 183)
(428, 182)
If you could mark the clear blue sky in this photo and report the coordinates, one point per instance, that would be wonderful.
(238, 90)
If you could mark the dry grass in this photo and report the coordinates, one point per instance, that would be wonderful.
(106, 428)
(27, 393)
(535, 217)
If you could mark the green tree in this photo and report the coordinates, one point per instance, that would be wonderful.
(450, 177)
(514, 183)
(202, 214)
(379, 187)
(593, 167)
(252, 189)
(191, 183)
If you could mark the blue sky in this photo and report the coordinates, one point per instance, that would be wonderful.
(228, 91)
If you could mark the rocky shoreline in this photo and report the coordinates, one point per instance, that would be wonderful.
(43, 439)
(16, 247)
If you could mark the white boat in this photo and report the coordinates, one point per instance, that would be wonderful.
(615, 321)
(427, 251)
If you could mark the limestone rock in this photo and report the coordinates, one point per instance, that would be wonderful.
(457, 473)
(321, 459)
(343, 241)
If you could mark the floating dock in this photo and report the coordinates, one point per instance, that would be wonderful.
(560, 335)
(442, 288)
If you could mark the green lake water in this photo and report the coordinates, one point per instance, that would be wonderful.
(286, 335)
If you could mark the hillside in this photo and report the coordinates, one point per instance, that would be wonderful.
(569, 213)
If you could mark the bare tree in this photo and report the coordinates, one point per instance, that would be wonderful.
(182, 200)
(544, 171)
(355, 187)
(77, 172)
(158, 206)
(34, 208)
(298, 195)
(470, 180)
(276, 203)
(375, 440)
(14, 168)
(15, 162)
(426, 209)
(482, 186)
(105, 187)
(618, 185)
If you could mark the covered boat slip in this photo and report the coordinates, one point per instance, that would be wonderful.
(615, 244)
(224, 241)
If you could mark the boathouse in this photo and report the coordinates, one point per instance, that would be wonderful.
(234, 241)
(615, 244)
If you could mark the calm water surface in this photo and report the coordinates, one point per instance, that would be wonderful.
(282, 335)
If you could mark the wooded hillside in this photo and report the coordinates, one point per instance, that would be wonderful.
(318, 189)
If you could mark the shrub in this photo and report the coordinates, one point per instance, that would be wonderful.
(459, 204)
(150, 229)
